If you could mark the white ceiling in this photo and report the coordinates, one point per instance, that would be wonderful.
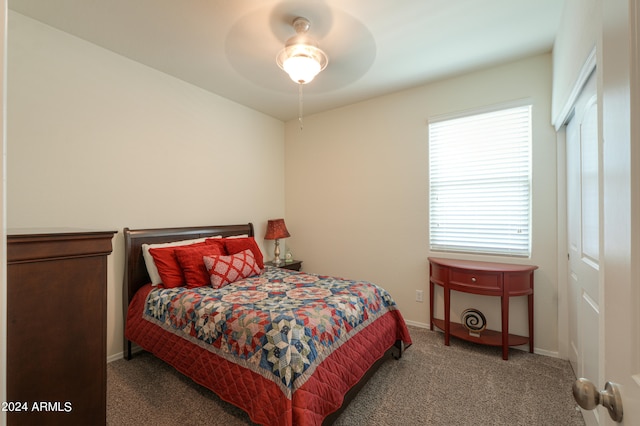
(375, 47)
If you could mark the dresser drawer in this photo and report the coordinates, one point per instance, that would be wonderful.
(479, 280)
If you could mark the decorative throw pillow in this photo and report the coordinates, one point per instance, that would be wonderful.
(152, 269)
(225, 270)
(168, 267)
(193, 268)
(236, 245)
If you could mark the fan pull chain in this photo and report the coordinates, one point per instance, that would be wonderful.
(300, 106)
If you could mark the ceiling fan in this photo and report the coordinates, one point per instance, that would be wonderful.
(301, 58)
(277, 31)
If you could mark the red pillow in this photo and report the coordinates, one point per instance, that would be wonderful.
(225, 270)
(167, 264)
(190, 260)
(237, 245)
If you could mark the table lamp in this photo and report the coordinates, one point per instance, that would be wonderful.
(276, 229)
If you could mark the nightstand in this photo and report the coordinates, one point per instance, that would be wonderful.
(294, 265)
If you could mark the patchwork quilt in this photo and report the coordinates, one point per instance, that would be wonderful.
(300, 336)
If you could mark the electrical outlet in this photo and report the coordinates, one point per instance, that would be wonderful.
(419, 296)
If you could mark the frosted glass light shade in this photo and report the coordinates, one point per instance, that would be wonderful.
(301, 69)
(302, 62)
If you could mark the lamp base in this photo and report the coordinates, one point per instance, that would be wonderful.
(276, 254)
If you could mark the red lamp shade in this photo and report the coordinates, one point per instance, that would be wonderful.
(276, 229)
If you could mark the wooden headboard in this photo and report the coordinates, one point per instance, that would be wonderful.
(135, 270)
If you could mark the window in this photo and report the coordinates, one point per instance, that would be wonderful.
(480, 183)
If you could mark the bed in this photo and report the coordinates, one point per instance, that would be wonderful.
(287, 347)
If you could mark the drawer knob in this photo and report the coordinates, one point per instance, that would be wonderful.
(473, 279)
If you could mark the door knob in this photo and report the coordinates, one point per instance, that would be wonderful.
(588, 397)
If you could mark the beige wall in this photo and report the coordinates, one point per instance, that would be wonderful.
(357, 185)
(98, 141)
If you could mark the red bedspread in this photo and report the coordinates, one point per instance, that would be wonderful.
(270, 394)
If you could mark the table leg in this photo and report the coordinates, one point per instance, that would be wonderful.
(505, 327)
(447, 315)
(431, 305)
(530, 323)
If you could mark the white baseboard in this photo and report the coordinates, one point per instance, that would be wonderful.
(552, 354)
(120, 355)
(115, 357)
(417, 324)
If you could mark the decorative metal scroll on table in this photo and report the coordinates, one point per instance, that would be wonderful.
(474, 321)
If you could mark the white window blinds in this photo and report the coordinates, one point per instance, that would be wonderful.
(480, 183)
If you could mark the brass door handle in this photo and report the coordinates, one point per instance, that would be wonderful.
(588, 397)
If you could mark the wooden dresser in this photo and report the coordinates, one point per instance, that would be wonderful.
(56, 328)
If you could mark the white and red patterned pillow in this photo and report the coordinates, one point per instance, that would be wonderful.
(225, 270)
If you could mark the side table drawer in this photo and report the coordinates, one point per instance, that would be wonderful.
(475, 279)
(439, 273)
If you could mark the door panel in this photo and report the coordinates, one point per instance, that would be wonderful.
(616, 335)
(620, 93)
(590, 187)
(583, 227)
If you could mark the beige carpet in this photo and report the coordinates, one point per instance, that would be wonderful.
(463, 384)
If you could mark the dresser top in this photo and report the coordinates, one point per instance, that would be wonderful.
(51, 231)
(38, 245)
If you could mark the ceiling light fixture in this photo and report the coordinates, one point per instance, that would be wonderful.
(301, 58)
